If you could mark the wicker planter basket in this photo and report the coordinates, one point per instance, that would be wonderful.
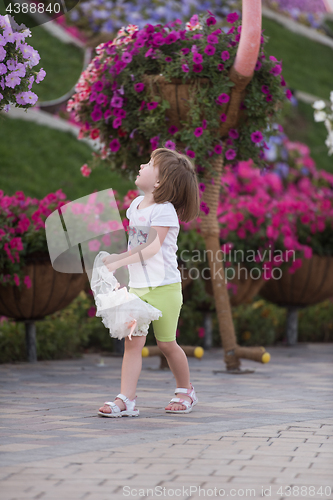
(50, 291)
(310, 284)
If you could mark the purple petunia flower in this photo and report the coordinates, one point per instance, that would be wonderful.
(3, 53)
(223, 98)
(212, 39)
(269, 98)
(96, 115)
(185, 68)
(197, 58)
(168, 59)
(230, 154)
(276, 70)
(185, 50)
(204, 207)
(97, 86)
(198, 131)
(211, 21)
(12, 80)
(114, 145)
(138, 87)
(173, 129)
(258, 65)
(171, 38)
(3, 69)
(223, 117)
(256, 136)
(197, 68)
(107, 114)
(209, 50)
(121, 113)
(139, 43)
(116, 122)
(190, 153)
(233, 133)
(40, 75)
(289, 94)
(150, 52)
(265, 89)
(11, 64)
(152, 105)
(126, 57)
(117, 101)
(202, 187)
(30, 97)
(225, 55)
(232, 18)
(218, 149)
(170, 145)
(20, 99)
(220, 67)
(158, 39)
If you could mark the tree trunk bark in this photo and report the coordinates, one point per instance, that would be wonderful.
(210, 232)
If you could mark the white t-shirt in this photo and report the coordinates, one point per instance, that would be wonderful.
(161, 268)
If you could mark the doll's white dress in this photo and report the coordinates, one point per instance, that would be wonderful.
(122, 312)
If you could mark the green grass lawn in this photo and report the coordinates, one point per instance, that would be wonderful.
(307, 65)
(62, 62)
(299, 125)
(39, 160)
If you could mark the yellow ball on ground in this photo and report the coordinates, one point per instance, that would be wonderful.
(266, 357)
(145, 352)
(198, 352)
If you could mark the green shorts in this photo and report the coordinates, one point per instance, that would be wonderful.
(168, 299)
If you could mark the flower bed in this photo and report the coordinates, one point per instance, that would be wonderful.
(308, 12)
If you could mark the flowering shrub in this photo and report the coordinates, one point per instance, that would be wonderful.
(274, 217)
(16, 60)
(94, 16)
(114, 102)
(22, 232)
(324, 114)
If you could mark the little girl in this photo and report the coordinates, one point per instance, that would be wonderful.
(170, 190)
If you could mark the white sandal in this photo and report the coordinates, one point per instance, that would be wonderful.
(130, 410)
(187, 404)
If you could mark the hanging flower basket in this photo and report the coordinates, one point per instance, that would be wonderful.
(310, 284)
(50, 291)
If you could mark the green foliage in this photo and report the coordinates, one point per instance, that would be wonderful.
(63, 334)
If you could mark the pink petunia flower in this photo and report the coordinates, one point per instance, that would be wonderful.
(211, 21)
(152, 105)
(139, 87)
(258, 65)
(230, 154)
(27, 281)
(185, 68)
(85, 170)
(212, 39)
(265, 89)
(168, 59)
(197, 58)
(116, 122)
(232, 18)
(233, 133)
(185, 50)
(225, 55)
(276, 70)
(289, 94)
(173, 129)
(198, 131)
(209, 50)
(190, 153)
(197, 68)
(223, 117)
(220, 67)
(170, 145)
(204, 124)
(218, 149)
(256, 136)
(114, 145)
(223, 98)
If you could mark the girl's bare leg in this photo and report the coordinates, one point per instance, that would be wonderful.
(178, 363)
(130, 370)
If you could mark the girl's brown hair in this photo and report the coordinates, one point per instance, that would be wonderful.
(177, 183)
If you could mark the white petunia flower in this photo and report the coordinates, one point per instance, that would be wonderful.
(319, 105)
(320, 116)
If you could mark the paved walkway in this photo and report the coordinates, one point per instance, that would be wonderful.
(265, 434)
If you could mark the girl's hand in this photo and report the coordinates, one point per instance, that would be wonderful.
(111, 262)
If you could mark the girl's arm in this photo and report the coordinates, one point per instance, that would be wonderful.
(156, 237)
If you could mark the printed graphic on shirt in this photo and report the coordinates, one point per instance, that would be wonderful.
(137, 236)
